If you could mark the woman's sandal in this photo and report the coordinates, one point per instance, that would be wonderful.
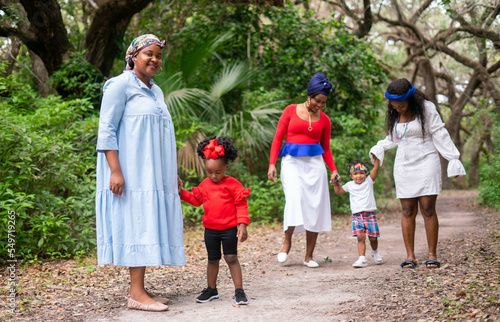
(409, 263)
(432, 261)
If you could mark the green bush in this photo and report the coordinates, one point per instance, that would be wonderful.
(489, 185)
(266, 201)
(77, 78)
(47, 166)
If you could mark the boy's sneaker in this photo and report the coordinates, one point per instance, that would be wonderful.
(207, 295)
(376, 257)
(361, 262)
(240, 297)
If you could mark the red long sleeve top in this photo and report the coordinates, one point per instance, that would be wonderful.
(225, 202)
(297, 132)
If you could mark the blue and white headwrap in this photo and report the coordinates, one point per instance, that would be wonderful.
(401, 98)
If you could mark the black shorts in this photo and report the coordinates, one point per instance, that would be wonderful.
(214, 239)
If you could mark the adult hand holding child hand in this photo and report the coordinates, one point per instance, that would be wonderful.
(335, 178)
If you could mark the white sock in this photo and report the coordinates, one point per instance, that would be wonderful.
(362, 257)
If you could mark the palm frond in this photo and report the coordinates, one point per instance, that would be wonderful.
(192, 60)
(189, 101)
(187, 158)
(231, 76)
(253, 129)
(186, 101)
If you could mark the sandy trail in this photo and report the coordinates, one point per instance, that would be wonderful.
(294, 292)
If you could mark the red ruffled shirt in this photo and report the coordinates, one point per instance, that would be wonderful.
(225, 202)
(296, 131)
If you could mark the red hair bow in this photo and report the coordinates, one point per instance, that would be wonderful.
(212, 150)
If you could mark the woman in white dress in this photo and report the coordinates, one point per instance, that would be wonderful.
(416, 128)
(303, 172)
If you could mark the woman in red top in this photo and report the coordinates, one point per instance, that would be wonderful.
(303, 173)
(226, 214)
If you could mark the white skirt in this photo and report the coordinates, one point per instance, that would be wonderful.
(305, 183)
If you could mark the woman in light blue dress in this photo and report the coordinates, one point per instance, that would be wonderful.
(138, 210)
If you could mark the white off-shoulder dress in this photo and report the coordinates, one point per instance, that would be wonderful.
(417, 168)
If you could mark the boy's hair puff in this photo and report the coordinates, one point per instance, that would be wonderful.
(230, 151)
(354, 162)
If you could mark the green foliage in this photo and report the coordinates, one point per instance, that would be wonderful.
(282, 48)
(47, 165)
(489, 185)
(14, 91)
(77, 78)
(266, 202)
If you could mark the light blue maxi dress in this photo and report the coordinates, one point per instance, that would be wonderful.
(144, 227)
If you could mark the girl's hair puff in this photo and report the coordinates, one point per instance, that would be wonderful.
(415, 103)
(354, 162)
(230, 151)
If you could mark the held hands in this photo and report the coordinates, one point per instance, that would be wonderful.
(242, 233)
(180, 185)
(116, 183)
(272, 173)
(335, 178)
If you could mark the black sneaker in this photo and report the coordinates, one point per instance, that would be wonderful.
(240, 297)
(207, 295)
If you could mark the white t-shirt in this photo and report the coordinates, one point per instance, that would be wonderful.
(361, 195)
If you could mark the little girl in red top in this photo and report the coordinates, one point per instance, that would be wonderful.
(226, 214)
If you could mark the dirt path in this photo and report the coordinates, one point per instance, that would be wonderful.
(294, 292)
(467, 287)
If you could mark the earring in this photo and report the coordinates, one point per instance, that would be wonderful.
(308, 102)
(161, 71)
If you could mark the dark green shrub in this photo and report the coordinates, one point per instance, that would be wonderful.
(47, 166)
(489, 185)
(77, 78)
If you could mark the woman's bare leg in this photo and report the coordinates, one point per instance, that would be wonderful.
(428, 210)
(410, 209)
(137, 291)
(287, 243)
(311, 238)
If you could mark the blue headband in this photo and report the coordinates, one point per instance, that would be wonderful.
(319, 84)
(401, 98)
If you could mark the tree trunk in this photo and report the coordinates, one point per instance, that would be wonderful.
(46, 35)
(107, 30)
(474, 168)
(41, 75)
(427, 73)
